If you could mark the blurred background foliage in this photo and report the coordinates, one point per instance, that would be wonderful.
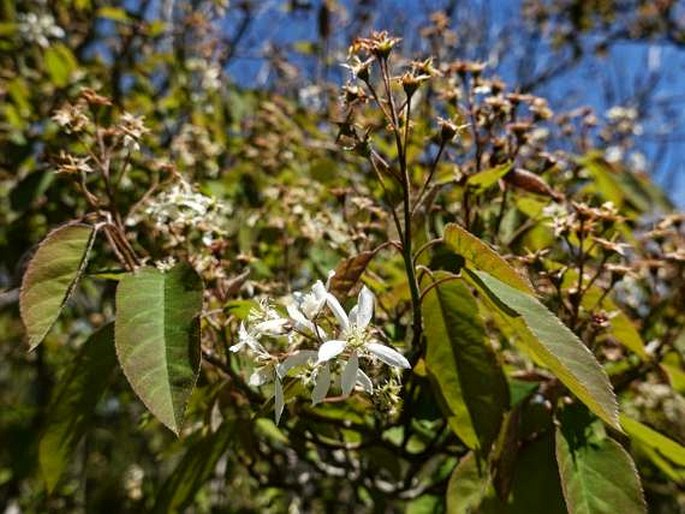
(243, 100)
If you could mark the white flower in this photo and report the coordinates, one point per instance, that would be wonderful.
(357, 338)
(613, 154)
(308, 306)
(353, 340)
(263, 376)
(295, 360)
(182, 210)
(211, 78)
(39, 29)
(131, 144)
(322, 383)
(247, 339)
(263, 320)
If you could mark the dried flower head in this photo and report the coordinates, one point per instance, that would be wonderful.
(133, 128)
(93, 98)
(71, 117)
(71, 165)
(611, 246)
(449, 129)
(380, 44)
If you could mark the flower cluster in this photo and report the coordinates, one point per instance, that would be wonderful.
(181, 209)
(69, 165)
(38, 28)
(317, 346)
(76, 118)
(193, 148)
(581, 219)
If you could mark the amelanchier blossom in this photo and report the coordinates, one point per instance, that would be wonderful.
(311, 349)
(38, 28)
(357, 339)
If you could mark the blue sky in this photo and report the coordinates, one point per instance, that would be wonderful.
(600, 82)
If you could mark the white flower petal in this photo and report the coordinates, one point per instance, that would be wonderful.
(338, 311)
(353, 316)
(364, 381)
(323, 383)
(242, 332)
(365, 305)
(299, 321)
(312, 302)
(388, 355)
(237, 347)
(295, 360)
(331, 349)
(278, 400)
(247, 339)
(272, 327)
(261, 377)
(349, 374)
(320, 333)
(256, 346)
(319, 290)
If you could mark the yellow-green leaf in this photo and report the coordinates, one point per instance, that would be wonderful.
(485, 179)
(554, 345)
(51, 277)
(60, 63)
(480, 255)
(666, 447)
(113, 13)
(462, 364)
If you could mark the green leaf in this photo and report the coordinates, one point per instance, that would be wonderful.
(468, 488)
(113, 13)
(554, 345)
(620, 185)
(666, 447)
(194, 470)
(157, 335)
(51, 277)
(603, 179)
(480, 255)
(460, 360)
(485, 179)
(113, 274)
(73, 405)
(425, 504)
(505, 452)
(597, 475)
(672, 364)
(535, 488)
(60, 63)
